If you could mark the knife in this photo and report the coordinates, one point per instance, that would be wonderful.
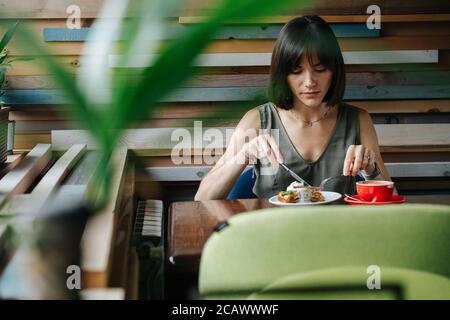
(294, 175)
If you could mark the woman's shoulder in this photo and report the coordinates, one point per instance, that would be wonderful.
(352, 107)
(355, 110)
(365, 120)
(252, 118)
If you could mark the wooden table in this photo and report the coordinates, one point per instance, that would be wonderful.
(191, 223)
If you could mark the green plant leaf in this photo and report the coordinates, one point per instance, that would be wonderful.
(89, 116)
(173, 66)
(2, 76)
(8, 35)
(20, 59)
(133, 101)
(3, 56)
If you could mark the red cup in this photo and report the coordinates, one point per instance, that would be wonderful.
(375, 190)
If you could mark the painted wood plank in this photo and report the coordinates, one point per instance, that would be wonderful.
(166, 161)
(21, 204)
(396, 170)
(59, 170)
(263, 59)
(71, 63)
(384, 57)
(419, 169)
(90, 8)
(437, 134)
(66, 35)
(38, 96)
(55, 96)
(124, 222)
(366, 78)
(23, 175)
(213, 110)
(344, 7)
(192, 110)
(227, 32)
(11, 162)
(160, 138)
(385, 151)
(329, 18)
(209, 80)
(346, 44)
(48, 9)
(37, 66)
(351, 93)
(437, 42)
(405, 29)
(81, 177)
(26, 142)
(97, 242)
(226, 119)
(413, 134)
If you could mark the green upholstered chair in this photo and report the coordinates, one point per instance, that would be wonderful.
(270, 248)
(351, 283)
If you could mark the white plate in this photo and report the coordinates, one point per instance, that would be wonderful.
(329, 197)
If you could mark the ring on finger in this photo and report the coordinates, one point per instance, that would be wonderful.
(367, 154)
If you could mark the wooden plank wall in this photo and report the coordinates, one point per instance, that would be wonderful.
(409, 84)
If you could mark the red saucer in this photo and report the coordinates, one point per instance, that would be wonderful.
(395, 199)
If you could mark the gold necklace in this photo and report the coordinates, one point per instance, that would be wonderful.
(309, 122)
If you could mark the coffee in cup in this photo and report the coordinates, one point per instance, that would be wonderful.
(375, 190)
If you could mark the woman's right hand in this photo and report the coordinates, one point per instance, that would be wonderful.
(262, 146)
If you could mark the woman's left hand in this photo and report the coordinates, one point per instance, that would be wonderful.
(358, 158)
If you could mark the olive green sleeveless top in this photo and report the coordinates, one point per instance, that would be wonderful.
(272, 179)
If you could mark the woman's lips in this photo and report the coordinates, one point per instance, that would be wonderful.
(311, 94)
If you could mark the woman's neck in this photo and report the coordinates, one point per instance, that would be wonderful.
(309, 113)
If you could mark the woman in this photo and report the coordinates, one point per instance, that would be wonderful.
(306, 125)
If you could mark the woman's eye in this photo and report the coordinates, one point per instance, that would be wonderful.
(321, 70)
(296, 71)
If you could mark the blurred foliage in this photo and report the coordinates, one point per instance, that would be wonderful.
(132, 101)
(5, 61)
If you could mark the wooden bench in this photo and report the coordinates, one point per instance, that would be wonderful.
(31, 181)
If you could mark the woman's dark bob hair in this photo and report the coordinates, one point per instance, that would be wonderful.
(308, 35)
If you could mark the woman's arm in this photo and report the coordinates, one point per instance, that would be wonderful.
(363, 157)
(220, 180)
(369, 140)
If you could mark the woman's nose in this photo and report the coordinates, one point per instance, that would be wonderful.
(309, 80)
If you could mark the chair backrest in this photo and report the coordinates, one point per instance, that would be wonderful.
(257, 248)
(358, 283)
(243, 186)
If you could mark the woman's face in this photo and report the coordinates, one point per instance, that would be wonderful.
(309, 84)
